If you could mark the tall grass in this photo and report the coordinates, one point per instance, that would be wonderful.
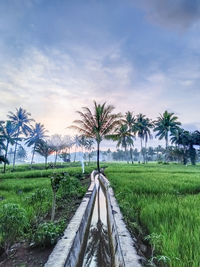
(162, 200)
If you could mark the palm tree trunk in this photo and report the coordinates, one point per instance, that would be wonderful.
(56, 158)
(98, 166)
(33, 155)
(15, 150)
(131, 154)
(141, 147)
(6, 153)
(166, 140)
(45, 162)
(126, 158)
(145, 151)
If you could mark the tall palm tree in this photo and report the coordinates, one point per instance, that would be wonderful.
(97, 124)
(43, 149)
(166, 123)
(21, 119)
(37, 133)
(142, 130)
(148, 125)
(130, 121)
(8, 133)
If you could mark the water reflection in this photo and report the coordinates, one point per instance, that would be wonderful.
(98, 253)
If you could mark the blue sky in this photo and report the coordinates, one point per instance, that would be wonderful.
(59, 55)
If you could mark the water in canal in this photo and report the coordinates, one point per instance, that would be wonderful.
(97, 250)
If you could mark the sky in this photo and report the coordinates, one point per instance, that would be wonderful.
(57, 56)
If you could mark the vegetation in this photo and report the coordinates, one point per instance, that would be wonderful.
(97, 125)
(160, 203)
(26, 203)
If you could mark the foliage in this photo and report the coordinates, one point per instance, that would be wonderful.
(97, 125)
(13, 222)
(166, 123)
(21, 120)
(48, 233)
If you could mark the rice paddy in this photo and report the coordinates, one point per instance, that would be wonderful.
(161, 204)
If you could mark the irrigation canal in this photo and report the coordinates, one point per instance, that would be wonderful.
(97, 250)
(96, 235)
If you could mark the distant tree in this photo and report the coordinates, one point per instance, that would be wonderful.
(123, 137)
(143, 127)
(21, 119)
(150, 153)
(186, 140)
(159, 152)
(21, 153)
(131, 123)
(8, 134)
(37, 133)
(57, 144)
(43, 149)
(89, 146)
(98, 124)
(67, 143)
(76, 143)
(166, 123)
(136, 154)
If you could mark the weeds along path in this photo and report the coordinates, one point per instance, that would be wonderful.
(25, 205)
(161, 206)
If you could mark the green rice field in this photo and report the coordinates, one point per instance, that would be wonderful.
(161, 204)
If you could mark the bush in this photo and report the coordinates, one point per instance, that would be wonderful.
(48, 233)
(13, 222)
(71, 187)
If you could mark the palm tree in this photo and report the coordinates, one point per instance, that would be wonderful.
(130, 121)
(37, 133)
(89, 146)
(142, 128)
(148, 125)
(76, 142)
(123, 136)
(56, 143)
(21, 119)
(8, 133)
(43, 149)
(166, 123)
(98, 124)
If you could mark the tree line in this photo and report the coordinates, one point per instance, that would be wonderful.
(96, 125)
(20, 129)
(102, 123)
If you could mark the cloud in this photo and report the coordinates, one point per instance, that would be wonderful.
(173, 13)
(53, 84)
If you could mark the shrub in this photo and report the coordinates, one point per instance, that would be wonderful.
(39, 200)
(13, 222)
(48, 233)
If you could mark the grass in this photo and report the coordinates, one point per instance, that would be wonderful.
(74, 171)
(162, 202)
(31, 189)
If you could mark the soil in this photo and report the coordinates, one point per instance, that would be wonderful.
(22, 255)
